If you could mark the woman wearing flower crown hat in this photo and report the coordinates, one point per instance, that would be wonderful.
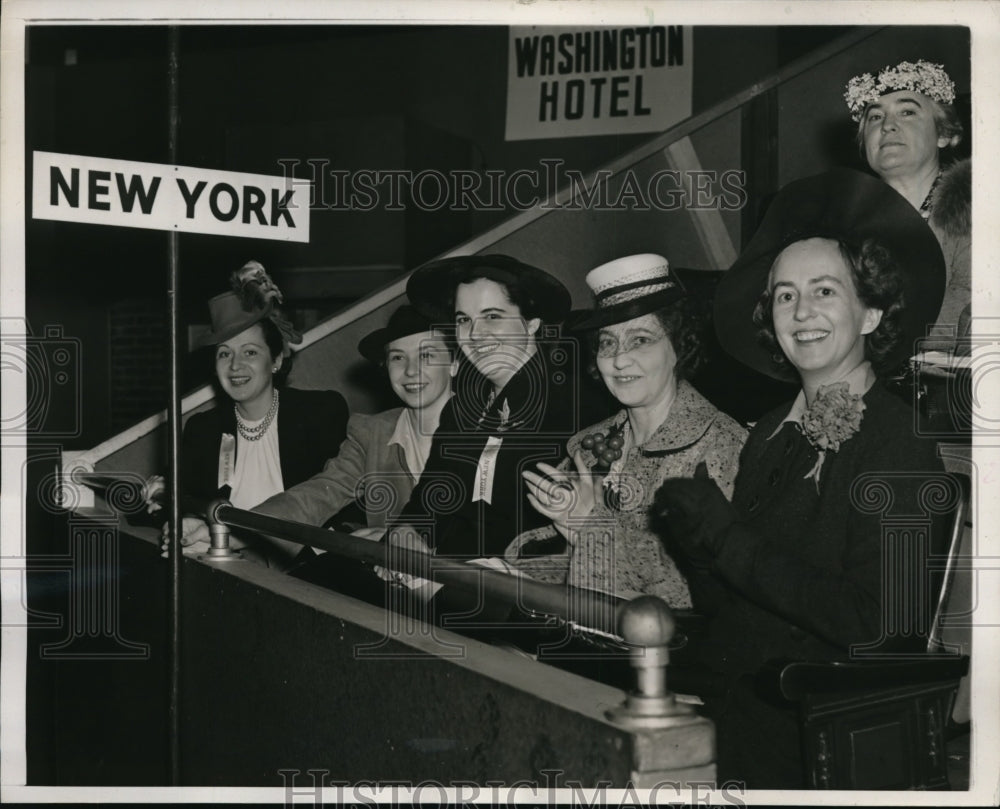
(906, 119)
(644, 335)
(267, 440)
(833, 289)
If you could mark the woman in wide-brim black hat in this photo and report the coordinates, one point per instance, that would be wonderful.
(515, 400)
(645, 337)
(258, 440)
(839, 281)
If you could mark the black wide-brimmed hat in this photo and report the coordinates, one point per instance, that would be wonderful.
(406, 320)
(431, 286)
(627, 288)
(845, 205)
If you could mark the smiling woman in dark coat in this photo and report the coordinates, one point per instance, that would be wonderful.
(840, 279)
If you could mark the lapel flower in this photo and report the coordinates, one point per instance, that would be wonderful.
(832, 418)
(505, 413)
(503, 416)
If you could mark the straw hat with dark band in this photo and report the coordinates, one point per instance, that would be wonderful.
(628, 288)
(406, 320)
(430, 287)
(844, 205)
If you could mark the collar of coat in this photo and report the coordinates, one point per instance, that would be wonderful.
(521, 403)
(691, 415)
(952, 211)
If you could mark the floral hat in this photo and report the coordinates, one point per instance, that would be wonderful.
(920, 76)
(253, 297)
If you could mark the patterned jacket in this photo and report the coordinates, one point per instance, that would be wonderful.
(617, 551)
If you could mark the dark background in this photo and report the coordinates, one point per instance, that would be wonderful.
(382, 97)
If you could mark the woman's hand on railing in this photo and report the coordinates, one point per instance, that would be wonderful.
(154, 492)
(195, 536)
(406, 536)
(565, 497)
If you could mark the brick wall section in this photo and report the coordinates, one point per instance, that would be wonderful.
(138, 339)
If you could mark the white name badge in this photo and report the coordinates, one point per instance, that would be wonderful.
(227, 459)
(485, 470)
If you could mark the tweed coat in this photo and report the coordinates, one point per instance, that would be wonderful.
(616, 550)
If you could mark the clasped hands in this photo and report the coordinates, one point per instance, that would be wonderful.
(564, 496)
(692, 516)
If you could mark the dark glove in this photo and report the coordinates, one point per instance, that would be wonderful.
(692, 516)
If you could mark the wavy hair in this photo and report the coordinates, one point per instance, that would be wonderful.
(686, 322)
(878, 283)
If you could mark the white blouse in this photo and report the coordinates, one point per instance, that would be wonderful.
(258, 468)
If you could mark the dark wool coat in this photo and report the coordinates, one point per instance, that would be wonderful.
(311, 426)
(532, 418)
(802, 575)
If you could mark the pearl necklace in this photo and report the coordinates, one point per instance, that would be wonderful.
(256, 433)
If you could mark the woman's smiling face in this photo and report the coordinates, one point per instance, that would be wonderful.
(420, 368)
(491, 330)
(637, 360)
(819, 320)
(245, 368)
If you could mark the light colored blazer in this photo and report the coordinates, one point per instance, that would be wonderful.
(367, 469)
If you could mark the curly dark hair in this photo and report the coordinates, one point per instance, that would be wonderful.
(516, 290)
(878, 283)
(686, 322)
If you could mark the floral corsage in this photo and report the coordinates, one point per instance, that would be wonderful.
(832, 418)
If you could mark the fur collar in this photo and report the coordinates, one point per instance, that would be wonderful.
(952, 210)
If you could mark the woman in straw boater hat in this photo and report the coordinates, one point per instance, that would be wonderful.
(268, 439)
(514, 403)
(841, 278)
(906, 120)
(644, 334)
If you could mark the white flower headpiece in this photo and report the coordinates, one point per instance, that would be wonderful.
(920, 76)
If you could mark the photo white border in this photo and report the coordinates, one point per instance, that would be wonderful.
(982, 17)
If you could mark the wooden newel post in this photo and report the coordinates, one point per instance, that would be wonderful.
(647, 625)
